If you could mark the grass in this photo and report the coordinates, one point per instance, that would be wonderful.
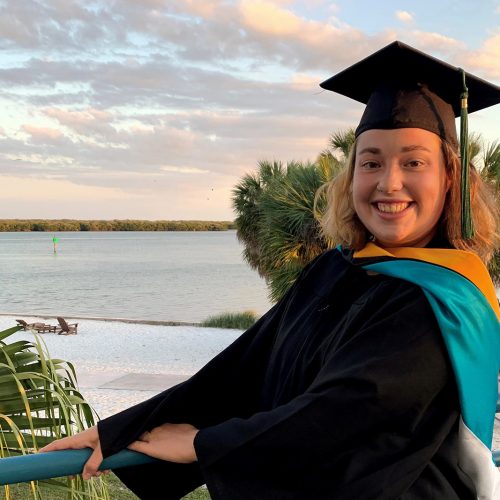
(117, 491)
(240, 321)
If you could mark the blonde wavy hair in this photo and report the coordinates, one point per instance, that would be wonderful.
(341, 224)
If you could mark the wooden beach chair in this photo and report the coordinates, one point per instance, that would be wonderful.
(38, 327)
(26, 326)
(65, 328)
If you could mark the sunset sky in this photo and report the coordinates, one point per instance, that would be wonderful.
(153, 109)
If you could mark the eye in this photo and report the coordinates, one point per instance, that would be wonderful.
(369, 165)
(414, 163)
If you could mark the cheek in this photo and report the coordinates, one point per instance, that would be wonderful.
(358, 192)
(361, 195)
(433, 196)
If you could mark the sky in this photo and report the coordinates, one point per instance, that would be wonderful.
(154, 109)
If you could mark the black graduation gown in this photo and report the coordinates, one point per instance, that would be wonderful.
(343, 390)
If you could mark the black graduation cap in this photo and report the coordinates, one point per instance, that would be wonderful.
(405, 88)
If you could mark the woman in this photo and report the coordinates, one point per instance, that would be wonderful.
(370, 379)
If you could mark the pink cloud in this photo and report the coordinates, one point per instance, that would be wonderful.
(41, 132)
(487, 58)
(88, 122)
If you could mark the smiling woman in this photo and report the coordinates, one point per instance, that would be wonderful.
(369, 379)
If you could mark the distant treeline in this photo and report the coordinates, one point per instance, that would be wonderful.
(113, 225)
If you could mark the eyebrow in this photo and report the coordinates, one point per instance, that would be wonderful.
(416, 147)
(405, 149)
(374, 151)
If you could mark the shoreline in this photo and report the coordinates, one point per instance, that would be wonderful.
(106, 319)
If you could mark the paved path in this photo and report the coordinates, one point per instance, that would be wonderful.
(148, 382)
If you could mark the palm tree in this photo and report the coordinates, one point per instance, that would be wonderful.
(342, 141)
(246, 204)
(486, 158)
(277, 218)
(289, 229)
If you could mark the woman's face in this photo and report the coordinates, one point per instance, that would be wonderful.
(399, 185)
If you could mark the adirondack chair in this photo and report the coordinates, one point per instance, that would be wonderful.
(38, 327)
(65, 328)
(26, 326)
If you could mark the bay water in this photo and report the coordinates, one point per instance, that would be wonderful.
(161, 276)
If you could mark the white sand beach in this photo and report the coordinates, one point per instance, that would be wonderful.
(119, 364)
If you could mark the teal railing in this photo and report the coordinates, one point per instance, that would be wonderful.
(37, 466)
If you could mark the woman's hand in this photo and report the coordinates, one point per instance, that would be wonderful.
(172, 442)
(86, 439)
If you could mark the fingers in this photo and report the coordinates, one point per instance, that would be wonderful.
(86, 439)
(61, 444)
(92, 465)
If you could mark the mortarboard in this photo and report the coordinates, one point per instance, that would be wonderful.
(404, 88)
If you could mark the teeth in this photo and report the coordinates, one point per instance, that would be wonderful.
(392, 208)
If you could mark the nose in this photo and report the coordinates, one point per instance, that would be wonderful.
(390, 179)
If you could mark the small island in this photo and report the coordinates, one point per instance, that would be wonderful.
(51, 225)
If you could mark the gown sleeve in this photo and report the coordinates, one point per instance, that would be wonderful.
(366, 427)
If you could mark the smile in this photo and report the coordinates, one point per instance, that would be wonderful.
(392, 208)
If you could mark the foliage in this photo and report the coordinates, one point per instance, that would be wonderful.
(289, 230)
(20, 225)
(277, 218)
(40, 402)
(246, 203)
(117, 491)
(198, 494)
(486, 158)
(240, 321)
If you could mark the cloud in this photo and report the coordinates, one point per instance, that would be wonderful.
(436, 42)
(487, 58)
(304, 81)
(36, 190)
(184, 170)
(40, 159)
(88, 122)
(269, 18)
(41, 133)
(404, 16)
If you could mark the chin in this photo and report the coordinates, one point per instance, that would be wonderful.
(390, 240)
(402, 242)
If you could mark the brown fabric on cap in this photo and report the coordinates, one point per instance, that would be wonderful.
(415, 106)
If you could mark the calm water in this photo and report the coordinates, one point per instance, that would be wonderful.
(184, 276)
